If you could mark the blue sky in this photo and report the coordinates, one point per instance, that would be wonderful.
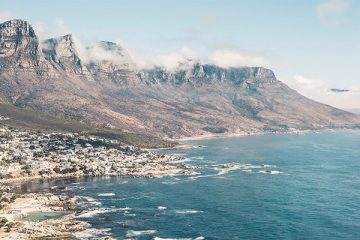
(313, 45)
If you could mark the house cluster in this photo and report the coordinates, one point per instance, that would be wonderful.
(52, 154)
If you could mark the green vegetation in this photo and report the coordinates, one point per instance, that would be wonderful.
(30, 119)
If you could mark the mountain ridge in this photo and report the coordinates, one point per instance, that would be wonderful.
(111, 92)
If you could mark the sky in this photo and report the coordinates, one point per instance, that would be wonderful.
(311, 45)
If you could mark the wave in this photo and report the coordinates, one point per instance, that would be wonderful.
(94, 212)
(91, 233)
(106, 194)
(161, 208)
(272, 172)
(183, 160)
(133, 233)
(228, 167)
(125, 209)
(88, 200)
(188, 211)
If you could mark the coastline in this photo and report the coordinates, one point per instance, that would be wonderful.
(14, 207)
(14, 227)
(241, 134)
(248, 134)
(17, 228)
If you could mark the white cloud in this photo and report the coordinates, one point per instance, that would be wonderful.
(169, 61)
(5, 16)
(97, 53)
(172, 60)
(320, 91)
(63, 29)
(236, 58)
(332, 8)
(40, 30)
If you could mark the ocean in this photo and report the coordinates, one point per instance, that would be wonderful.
(278, 186)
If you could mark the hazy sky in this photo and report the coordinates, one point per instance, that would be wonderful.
(312, 45)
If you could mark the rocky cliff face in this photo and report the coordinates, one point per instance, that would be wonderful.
(18, 44)
(110, 91)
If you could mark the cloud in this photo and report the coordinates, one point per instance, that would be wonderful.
(228, 57)
(63, 29)
(321, 91)
(40, 30)
(98, 52)
(169, 61)
(5, 16)
(222, 57)
(328, 9)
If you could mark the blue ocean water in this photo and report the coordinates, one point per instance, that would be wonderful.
(278, 187)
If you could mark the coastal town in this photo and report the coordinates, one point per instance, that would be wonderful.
(49, 155)
(30, 154)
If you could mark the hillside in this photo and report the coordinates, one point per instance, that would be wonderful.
(194, 99)
(27, 119)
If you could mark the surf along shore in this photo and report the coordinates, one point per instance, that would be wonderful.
(27, 156)
(16, 209)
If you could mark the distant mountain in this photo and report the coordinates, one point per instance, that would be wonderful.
(54, 78)
(354, 110)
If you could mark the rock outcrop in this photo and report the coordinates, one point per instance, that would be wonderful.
(101, 85)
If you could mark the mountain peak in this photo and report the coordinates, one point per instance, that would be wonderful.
(17, 23)
(61, 52)
(18, 43)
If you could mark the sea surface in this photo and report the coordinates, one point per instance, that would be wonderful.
(273, 187)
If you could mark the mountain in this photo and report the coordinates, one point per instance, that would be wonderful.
(354, 110)
(103, 87)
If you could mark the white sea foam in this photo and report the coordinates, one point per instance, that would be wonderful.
(133, 233)
(272, 172)
(130, 214)
(92, 213)
(269, 166)
(91, 233)
(162, 208)
(228, 167)
(88, 200)
(183, 160)
(125, 209)
(106, 194)
(188, 211)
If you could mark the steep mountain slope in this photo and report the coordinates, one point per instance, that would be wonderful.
(195, 99)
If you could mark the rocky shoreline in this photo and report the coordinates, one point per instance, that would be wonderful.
(14, 207)
(13, 227)
(27, 155)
